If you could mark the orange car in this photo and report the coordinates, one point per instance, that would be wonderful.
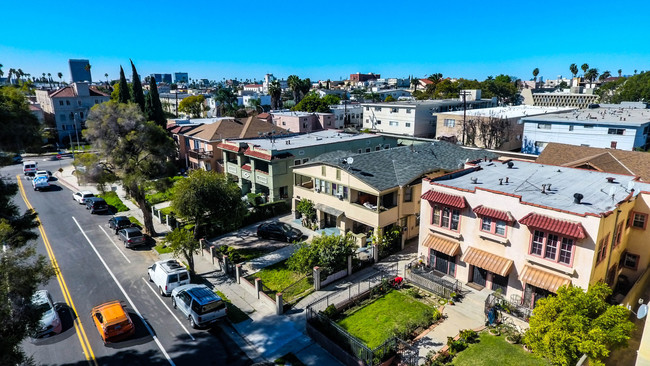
(112, 322)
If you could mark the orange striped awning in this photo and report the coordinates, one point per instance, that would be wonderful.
(542, 279)
(443, 245)
(488, 261)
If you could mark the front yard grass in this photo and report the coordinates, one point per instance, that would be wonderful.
(162, 249)
(375, 322)
(235, 315)
(112, 199)
(495, 351)
(278, 277)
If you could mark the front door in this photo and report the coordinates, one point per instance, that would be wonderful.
(500, 282)
(442, 264)
(533, 294)
(479, 276)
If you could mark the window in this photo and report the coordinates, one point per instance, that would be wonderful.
(359, 151)
(500, 228)
(408, 124)
(587, 126)
(338, 174)
(570, 127)
(387, 146)
(297, 162)
(323, 171)
(552, 247)
(196, 144)
(67, 102)
(367, 108)
(60, 102)
(540, 144)
(393, 123)
(544, 126)
(408, 194)
(601, 253)
(408, 110)
(538, 243)
(367, 149)
(640, 220)
(486, 224)
(377, 148)
(378, 109)
(284, 123)
(378, 122)
(566, 251)
(630, 261)
(305, 160)
(618, 234)
(450, 122)
(615, 131)
(446, 217)
(393, 110)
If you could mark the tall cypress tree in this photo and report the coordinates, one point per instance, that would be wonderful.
(158, 115)
(148, 108)
(138, 94)
(124, 95)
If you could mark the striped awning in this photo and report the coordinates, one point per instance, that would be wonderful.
(443, 245)
(488, 261)
(542, 279)
(563, 227)
(445, 199)
(493, 213)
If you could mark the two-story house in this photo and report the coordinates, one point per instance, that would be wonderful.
(300, 122)
(367, 192)
(264, 164)
(528, 228)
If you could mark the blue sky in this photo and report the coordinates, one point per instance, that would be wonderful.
(321, 40)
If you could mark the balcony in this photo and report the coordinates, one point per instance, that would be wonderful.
(201, 154)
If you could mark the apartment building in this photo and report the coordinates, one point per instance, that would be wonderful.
(303, 122)
(614, 126)
(370, 192)
(364, 77)
(526, 229)
(414, 118)
(502, 125)
(67, 108)
(563, 98)
(353, 111)
(264, 164)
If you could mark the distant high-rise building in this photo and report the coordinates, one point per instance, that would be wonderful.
(80, 71)
(181, 77)
(165, 78)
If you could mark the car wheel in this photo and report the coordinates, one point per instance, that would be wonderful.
(192, 323)
(149, 274)
(174, 303)
(162, 293)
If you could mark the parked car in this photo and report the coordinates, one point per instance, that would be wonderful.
(96, 204)
(82, 195)
(279, 231)
(118, 223)
(44, 173)
(50, 321)
(199, 304)
(112, 321)
(167, 275)
(132, 237)
(40, 183)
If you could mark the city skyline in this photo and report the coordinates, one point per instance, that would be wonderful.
(315, 41)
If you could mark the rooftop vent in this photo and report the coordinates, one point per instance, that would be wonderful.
(577, 198)
(474, 180)
(510, 164)
(610, 179)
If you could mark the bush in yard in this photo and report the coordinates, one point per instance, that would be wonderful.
(388, 243)
(330, 311)
(455, 346)
(327, 251)
(469, 335)
(307, 210)
(414, 292)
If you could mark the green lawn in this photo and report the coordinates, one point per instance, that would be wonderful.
(495, 351)
(235, 315)
(374, 323)
(113, 200)
(278, 277)
(166, 211)
(135, 221)
(162, 249)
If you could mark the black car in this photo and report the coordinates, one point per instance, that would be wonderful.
(278, 231)
(132, 236)
(96, 204)
(119, 222)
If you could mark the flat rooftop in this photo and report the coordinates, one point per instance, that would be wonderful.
(295, 114)
(614, 116)
(511, 112)
(525, 179)
(296, 141)
(198, 121)
(432, 102)
(343, 107)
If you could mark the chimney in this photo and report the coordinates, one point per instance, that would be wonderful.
(510, 164)
(610, 179)
(543, 188)
(548, 187)
(500, 181)
(577, 198)
(507, 179)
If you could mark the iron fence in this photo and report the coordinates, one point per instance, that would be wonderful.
(425, 277)
(512, 307)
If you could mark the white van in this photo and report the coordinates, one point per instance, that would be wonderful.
(30, 167)
(167, 275)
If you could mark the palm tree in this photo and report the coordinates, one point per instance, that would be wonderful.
(293, 81)
(49, 78)
(591, 75)
(584, 67)
(87, 67)
(574, 69)
(620, 72)
(604, 75)
(9, 74)
(106, 76)
(634, 71)
(275, 91)
(43, 78)
(1, 72)
(535, 73)
(60, 75)
(414, 83)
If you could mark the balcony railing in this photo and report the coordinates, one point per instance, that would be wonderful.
(201, 154)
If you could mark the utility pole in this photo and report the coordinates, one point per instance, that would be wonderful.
(176, 102)
(464, 94)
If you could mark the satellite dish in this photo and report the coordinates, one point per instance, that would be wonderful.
(642, 312)
(350, 160)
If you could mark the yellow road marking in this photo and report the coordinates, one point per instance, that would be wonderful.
(81, 334)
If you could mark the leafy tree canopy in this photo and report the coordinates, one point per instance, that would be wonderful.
(19, 128)
(576, 322)
(631, 89)
(193, 105)
(329, 252)
(314, 103)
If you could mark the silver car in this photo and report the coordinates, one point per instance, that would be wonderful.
(50, 322)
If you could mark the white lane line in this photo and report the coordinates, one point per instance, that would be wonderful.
(167, 307)
(155, 338)
(118, 248)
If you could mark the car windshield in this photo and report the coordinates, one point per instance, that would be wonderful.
(43, 307)
(285, 227)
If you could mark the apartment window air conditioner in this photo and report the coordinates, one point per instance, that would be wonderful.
(339, 196)
(317, 190)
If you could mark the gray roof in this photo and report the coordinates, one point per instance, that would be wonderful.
(525, 179)
(597, 116)
(385, 169)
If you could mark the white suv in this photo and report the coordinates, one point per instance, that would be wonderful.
(82, 195)
(167, 275)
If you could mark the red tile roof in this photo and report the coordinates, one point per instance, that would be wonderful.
(493, 213)
(257, 154)
(563, 227)
(426, 81)
(228, 147)
(247, 167)
(253, 86)
(69, 92)
(445, 199)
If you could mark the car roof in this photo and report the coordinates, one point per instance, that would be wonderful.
(95, 199)
(119, 218)
(171, 266)
(85, 192)
(39, 297)
(132, 230)
(201, 293)
(112, 311)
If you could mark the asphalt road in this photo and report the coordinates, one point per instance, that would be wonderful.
(96, 268)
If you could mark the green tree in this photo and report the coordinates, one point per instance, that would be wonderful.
(329, 252)
(575, 322)
(19, 128)
(193, 105)
(123, 95)
(584, 67)
(148, 108)
(620, 73)
(138, 95)
(604, 75)
(372, 96)
(293, 81)
(131, 150)
(157, 109)
(389, 98)
(275, 91)
(227, 101)
(207, 199)
(414, 83)
(22, 271)
(591, 75)
(183, 243)
(313, 103)
(60, 75)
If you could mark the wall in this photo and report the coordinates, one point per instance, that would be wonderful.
(596, 136)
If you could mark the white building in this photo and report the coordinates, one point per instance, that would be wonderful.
(245, 99)
(614, 127)
(269, 78)
(353, 111)
(68, 107)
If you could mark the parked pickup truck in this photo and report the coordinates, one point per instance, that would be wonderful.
(40, 183)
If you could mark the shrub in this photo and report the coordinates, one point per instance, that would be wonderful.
(112, 199)
(330, 311)
(469, 335)
(455, 346)
(414, 292)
